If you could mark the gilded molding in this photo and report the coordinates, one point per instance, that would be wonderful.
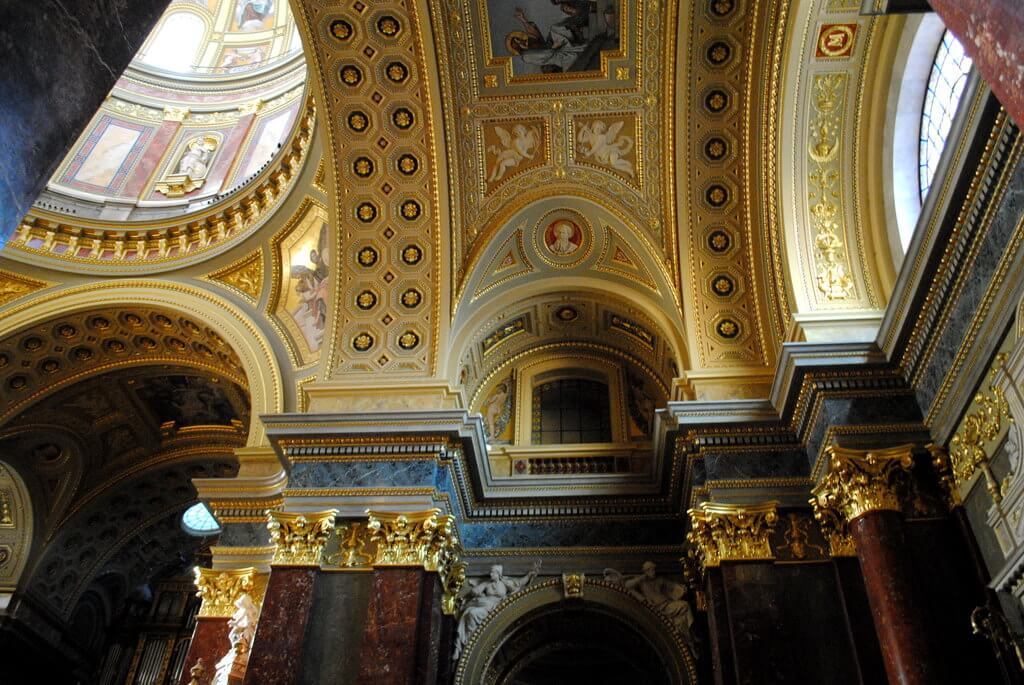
(219, 590)
(299, 538)
(947, 480)
(732, 532)
(424, 539)
(861, 481)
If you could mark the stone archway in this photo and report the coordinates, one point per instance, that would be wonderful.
(603, 636)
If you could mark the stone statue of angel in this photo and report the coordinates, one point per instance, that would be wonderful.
(663, 595)
(242, 625)
(482, 596)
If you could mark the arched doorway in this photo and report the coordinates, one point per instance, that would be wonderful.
(542, 637)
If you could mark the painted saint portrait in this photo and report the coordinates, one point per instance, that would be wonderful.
(254, 15)
(563, 237)
(309, 283)
(553, 36)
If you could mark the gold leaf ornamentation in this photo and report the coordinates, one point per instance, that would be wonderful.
(968, 448)
(425, 539)
(13, 286)
(732, 532)
(244, 275)
(219, 590)
(299, 538)
(861, 481)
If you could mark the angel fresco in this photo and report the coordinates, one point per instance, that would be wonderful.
(311, 287)
(517, 146)
(606, 145)
(573, 42)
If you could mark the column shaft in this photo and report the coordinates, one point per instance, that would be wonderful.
(209, 643)
(401, 642)
(899, 615)
(276, 654)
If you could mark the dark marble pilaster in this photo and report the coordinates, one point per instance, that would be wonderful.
(60, 60)
(277, 648)
(401, 643)
(908, 650)
(209, 643)
(335, 630)
(722, 659)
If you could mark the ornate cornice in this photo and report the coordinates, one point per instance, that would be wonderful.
(732, 532)
(219, 590)
(299, 538)
(862, 481)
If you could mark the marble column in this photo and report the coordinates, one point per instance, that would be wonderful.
(992, 32)
(722, 658)
(861, 489)
(276, 653)
(416, 577)
(61, 60)
(209, 644)
(219, 590)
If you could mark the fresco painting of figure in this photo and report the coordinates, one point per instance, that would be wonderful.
(553, 36)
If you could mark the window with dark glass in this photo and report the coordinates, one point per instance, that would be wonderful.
(571, 410)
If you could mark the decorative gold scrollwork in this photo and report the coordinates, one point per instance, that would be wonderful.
(731, 532)
(299, 538)
(967, 449)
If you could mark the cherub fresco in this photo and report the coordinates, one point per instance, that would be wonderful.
(519, 145)
(606, 145)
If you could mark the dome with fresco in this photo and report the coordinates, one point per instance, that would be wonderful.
(196, 142)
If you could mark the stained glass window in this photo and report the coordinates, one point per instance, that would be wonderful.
(945, 87)
(198, 520)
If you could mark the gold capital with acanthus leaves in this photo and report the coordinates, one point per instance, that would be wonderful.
(299, 538)
(833, 526)
(220, 589)
(862, 481)
(425, 539)
(732, 532)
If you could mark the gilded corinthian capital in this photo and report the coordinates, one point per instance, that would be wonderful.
(732, 532)
(424, 539)
(299, 538)
(861, 481)
(219, 590)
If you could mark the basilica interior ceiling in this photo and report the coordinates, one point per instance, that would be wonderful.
(428, 204)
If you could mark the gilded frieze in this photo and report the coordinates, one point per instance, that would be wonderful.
(14, 286)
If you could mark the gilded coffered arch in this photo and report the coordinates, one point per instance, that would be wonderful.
(66, 335)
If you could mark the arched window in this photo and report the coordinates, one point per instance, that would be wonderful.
(199, 521)
(945, 88)
(571, 410)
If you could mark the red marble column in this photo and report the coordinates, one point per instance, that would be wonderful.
(209, 643)
(401, 643)
(992, 32)
(277, 647)
(899, 615)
